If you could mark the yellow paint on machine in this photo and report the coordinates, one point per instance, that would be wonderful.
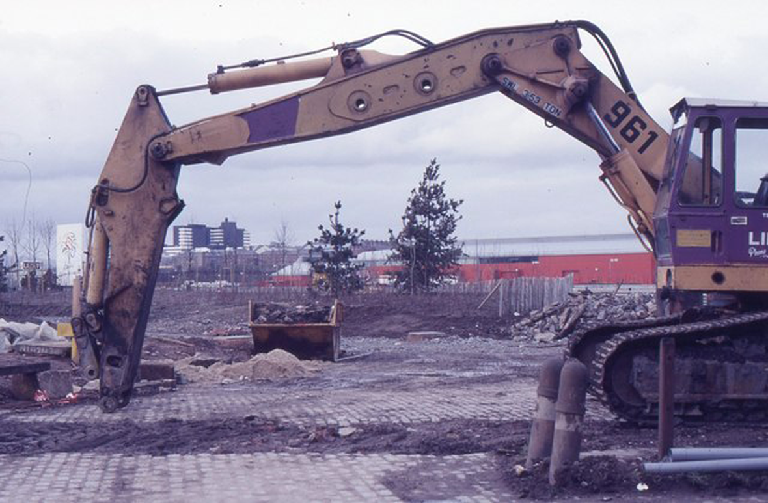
(65, 330)
(745, 278)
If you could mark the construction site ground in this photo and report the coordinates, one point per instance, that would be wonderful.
(399, 418)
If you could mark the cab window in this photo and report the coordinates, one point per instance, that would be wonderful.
(701, 184)
(751, 162)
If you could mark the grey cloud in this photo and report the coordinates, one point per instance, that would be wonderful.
(68, 93)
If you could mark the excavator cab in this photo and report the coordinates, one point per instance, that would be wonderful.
(711, 216)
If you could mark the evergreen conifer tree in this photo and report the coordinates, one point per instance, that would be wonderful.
(426, 246)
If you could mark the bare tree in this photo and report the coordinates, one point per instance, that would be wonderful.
(32, 248)
(283, 240)
(47, 231)
(13, 233)
(33, 243)
(3, 271)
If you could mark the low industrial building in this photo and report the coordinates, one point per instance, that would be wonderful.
(604, 259)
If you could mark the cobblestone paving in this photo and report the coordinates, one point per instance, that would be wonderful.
(414, 390)
(417, 389)
(308, 407)
(254, 477)
(504, 401)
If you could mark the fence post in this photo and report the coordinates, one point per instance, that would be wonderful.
(501, 299)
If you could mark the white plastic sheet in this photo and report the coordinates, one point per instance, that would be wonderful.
(12, 333)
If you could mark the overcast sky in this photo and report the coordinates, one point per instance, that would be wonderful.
(70, 68)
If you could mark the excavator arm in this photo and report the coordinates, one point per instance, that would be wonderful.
(540, 67)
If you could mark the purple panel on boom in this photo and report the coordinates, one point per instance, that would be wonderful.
(272, 122)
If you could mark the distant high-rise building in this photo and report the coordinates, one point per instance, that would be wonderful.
(231, 236)
(191, 236)
(217, 238)
(226, 235)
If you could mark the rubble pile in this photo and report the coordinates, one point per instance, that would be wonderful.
(560, 319)
(228, 329)
(274, 312)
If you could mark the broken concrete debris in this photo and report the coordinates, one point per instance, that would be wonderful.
(156, 370)
(42, 386)
(346, 431)
(56, 384)
(560, 319)
(228, 330)
(424, 336)
(13, 333)
(33, 378)
(274, 312)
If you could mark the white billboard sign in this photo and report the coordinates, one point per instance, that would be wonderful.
(70, 252)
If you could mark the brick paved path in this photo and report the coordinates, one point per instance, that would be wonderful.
(264, 477)
(416, 387)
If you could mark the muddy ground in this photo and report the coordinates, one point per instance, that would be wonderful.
(188, 323)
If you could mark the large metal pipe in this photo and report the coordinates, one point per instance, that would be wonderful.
(704, 453)
(267, 75)
(543, 424)
(666, 395)
(710, 465)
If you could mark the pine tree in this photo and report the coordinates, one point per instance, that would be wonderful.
(331, 256)
(426, 245)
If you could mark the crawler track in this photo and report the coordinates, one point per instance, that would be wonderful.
(721, 367)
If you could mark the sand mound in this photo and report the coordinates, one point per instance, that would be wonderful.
(277, 364)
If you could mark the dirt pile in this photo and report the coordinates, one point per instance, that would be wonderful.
(277, 364)
(558, 320)
(604, 477)
(589, 476)
(273, 312)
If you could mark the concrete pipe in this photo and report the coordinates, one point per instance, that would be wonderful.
(569, 409)
(543, 424)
